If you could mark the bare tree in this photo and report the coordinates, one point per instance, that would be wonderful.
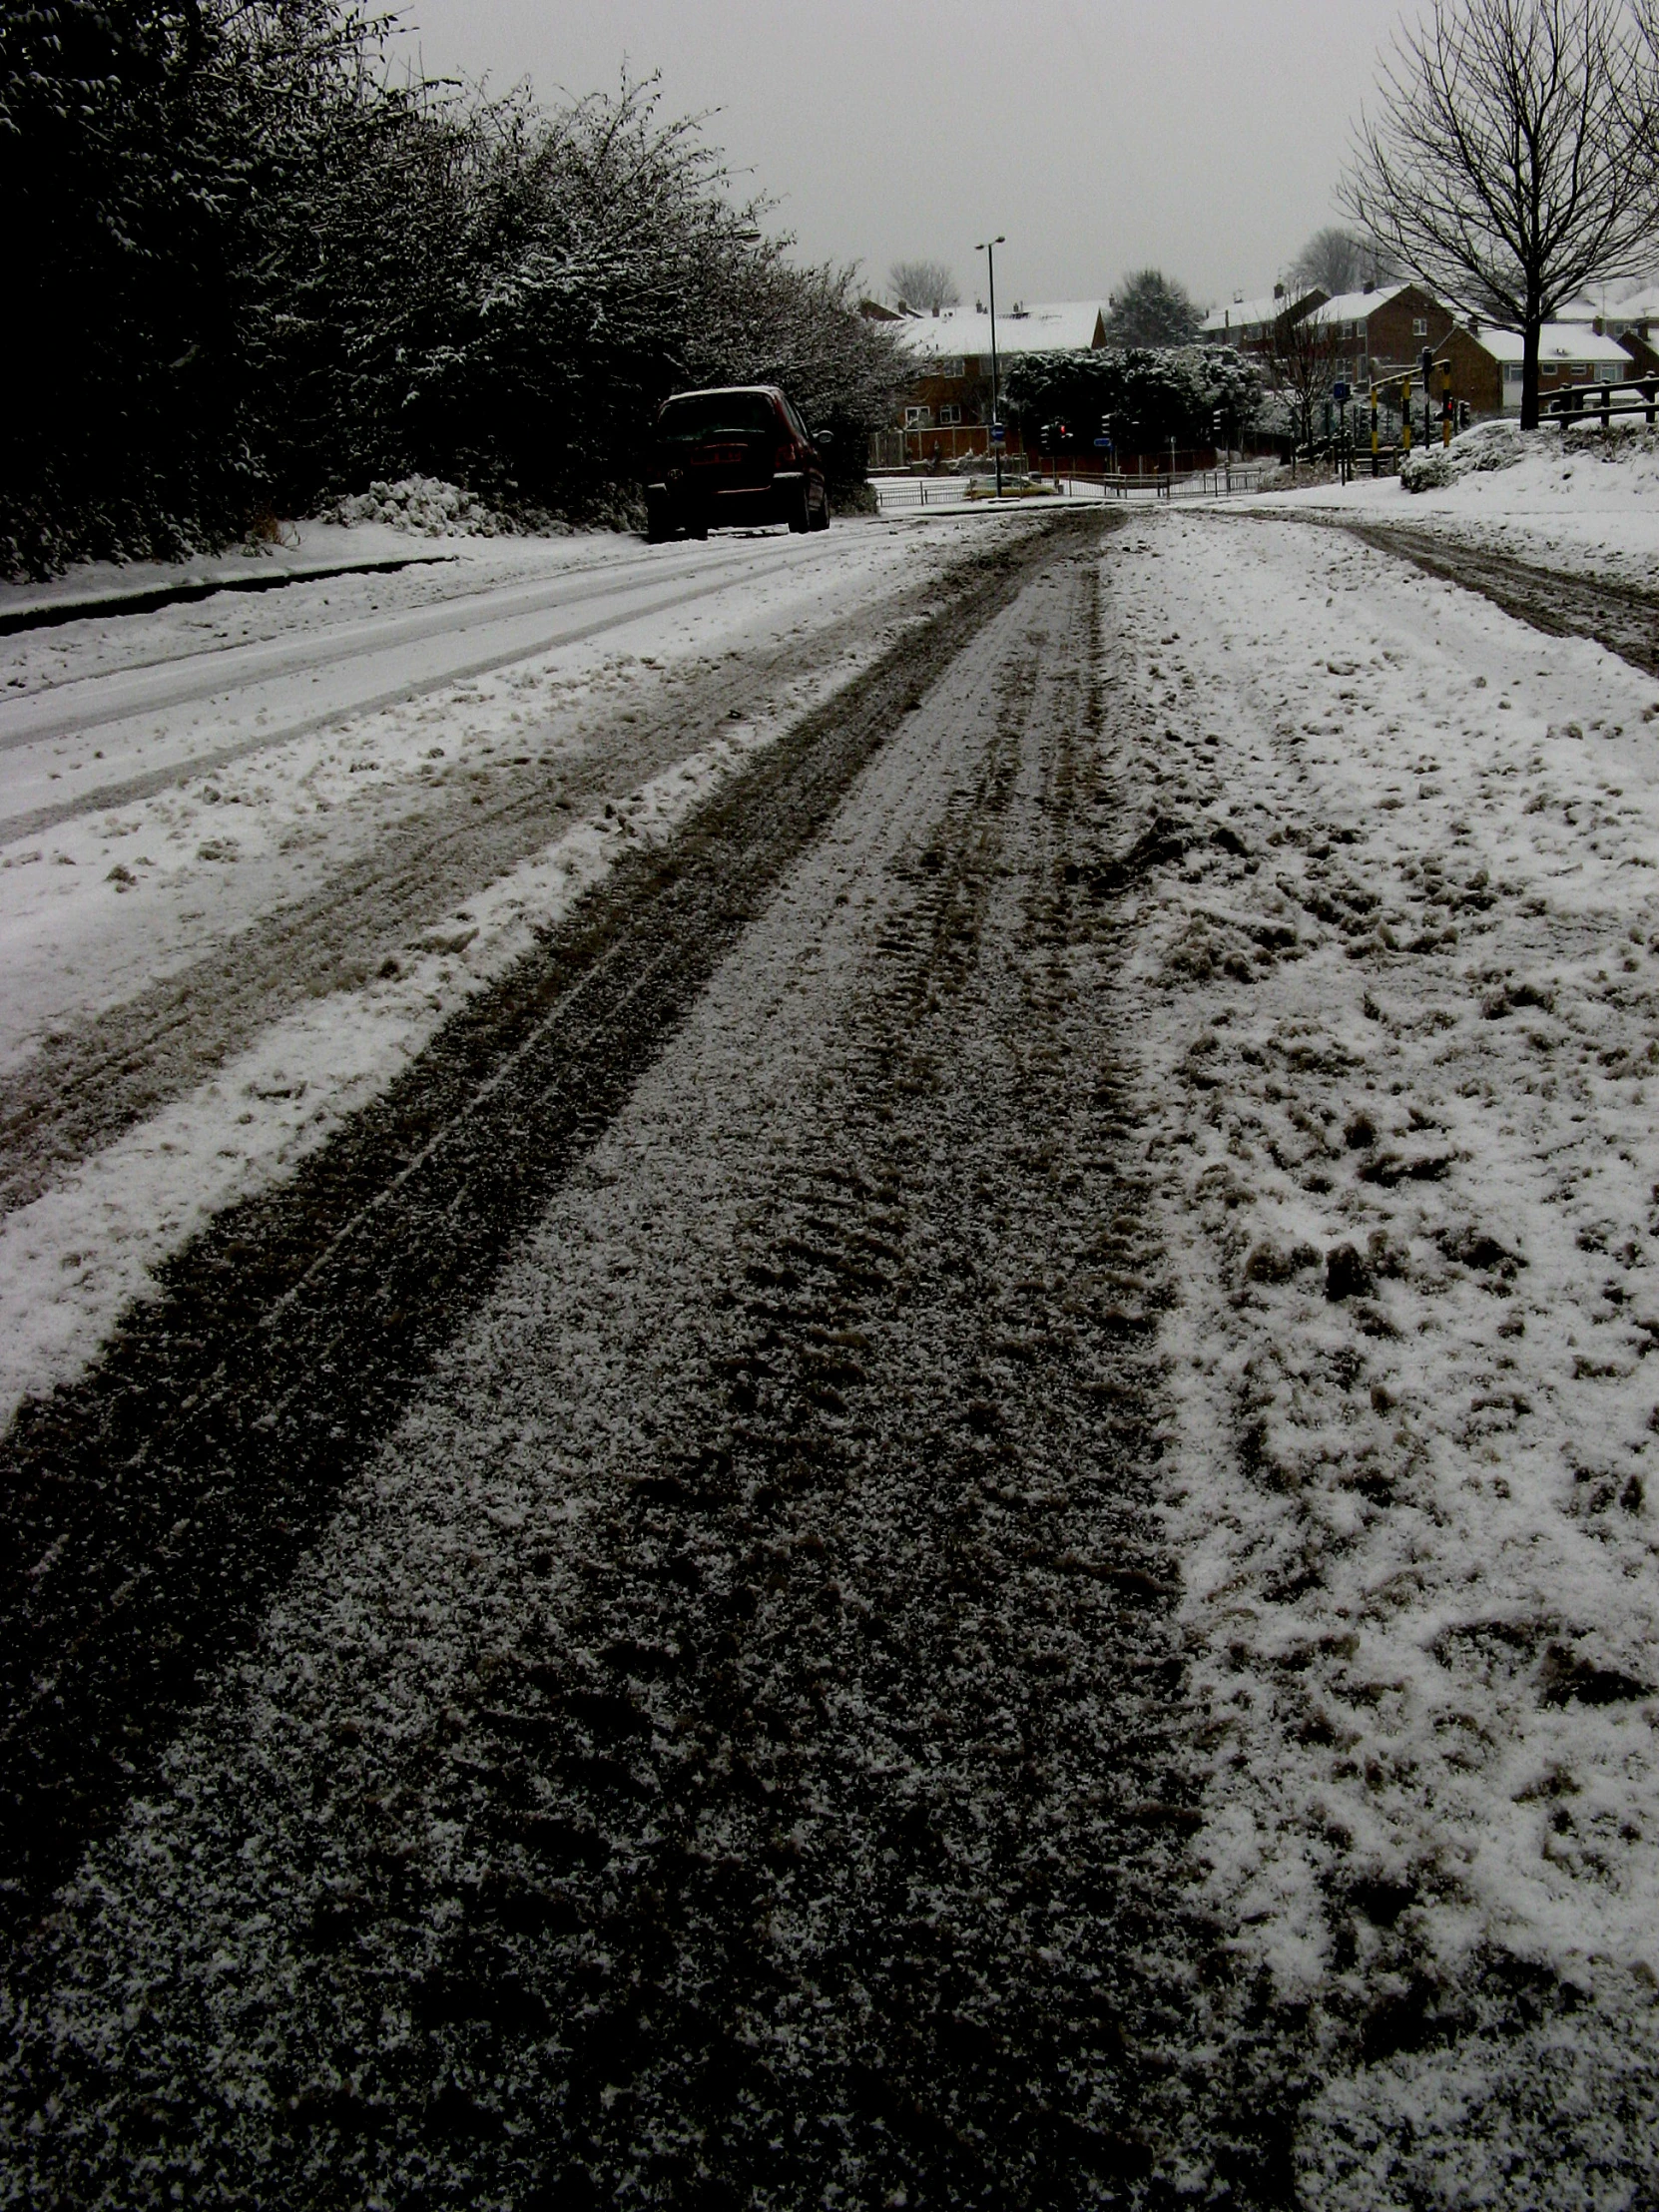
(927, 285)
(1506, 165)
(1304, 360)
(1644, 87)
(1336, 260)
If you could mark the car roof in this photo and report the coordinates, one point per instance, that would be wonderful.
(716, 391)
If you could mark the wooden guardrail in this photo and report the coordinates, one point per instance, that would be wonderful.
(1587, 402)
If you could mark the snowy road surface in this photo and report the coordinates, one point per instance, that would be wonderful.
(156, 719)
(858, 1415)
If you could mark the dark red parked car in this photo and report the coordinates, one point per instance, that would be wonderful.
(740, 455)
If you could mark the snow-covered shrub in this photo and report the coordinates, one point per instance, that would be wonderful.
(424, 504)
(1490, 446)
(1628, 439)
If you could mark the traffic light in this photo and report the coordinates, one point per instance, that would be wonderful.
(1427, 359)
(1045, 437)
(1062, 435)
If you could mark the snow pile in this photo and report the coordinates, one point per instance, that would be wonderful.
(1490, 446)
(1399, 1022)
(425, 504)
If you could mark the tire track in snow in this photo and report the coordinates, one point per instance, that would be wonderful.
(128, 789)
(94, 1078)
(1620, 617)
(169, 681)
(757, 1776)
(149, 1510)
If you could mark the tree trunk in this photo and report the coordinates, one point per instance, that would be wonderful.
(1529, 371)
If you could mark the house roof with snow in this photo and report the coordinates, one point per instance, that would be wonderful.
(1058, 326)
(1356, 306)
(1559, 343)
(1255, 317)
(1635, 311)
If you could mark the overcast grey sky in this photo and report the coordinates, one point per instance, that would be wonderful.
(1202, 135)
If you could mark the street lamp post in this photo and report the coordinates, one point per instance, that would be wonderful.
(988, 248)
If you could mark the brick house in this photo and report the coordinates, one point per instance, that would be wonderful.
(1486, 365)
(1635, 321)
(1253, 326)
(946, 409)
(1379, 334)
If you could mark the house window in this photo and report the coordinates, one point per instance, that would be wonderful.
(950, 415)
(917, 419)
(1420, 328)
(1513, 372)
(1578, 372)
(950, 365)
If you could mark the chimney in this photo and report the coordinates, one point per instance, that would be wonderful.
(1279, 292)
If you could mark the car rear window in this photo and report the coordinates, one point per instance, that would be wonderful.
(715, 415)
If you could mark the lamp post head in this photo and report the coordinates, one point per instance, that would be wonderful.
(985, 248)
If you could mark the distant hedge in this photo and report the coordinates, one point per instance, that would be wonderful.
(249, 272)
(1150, 394)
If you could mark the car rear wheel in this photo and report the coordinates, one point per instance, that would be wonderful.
(659, 520)
(796, 510)
(820, 518)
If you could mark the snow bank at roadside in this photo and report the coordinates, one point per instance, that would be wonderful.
(302, 549)
(1400, 1023)
(1572, 500)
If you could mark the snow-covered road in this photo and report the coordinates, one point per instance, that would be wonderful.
(201, 979)
(886, 1437)
(127, 714)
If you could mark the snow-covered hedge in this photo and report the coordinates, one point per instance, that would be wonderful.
(268, 266)
(1490, 446)
(1628, 438)
(1150, 394)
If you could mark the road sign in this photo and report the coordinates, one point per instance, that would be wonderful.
(1339, 391)
(998, 434)
(1103, 445)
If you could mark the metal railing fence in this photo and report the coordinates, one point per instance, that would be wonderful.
(897, 494)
